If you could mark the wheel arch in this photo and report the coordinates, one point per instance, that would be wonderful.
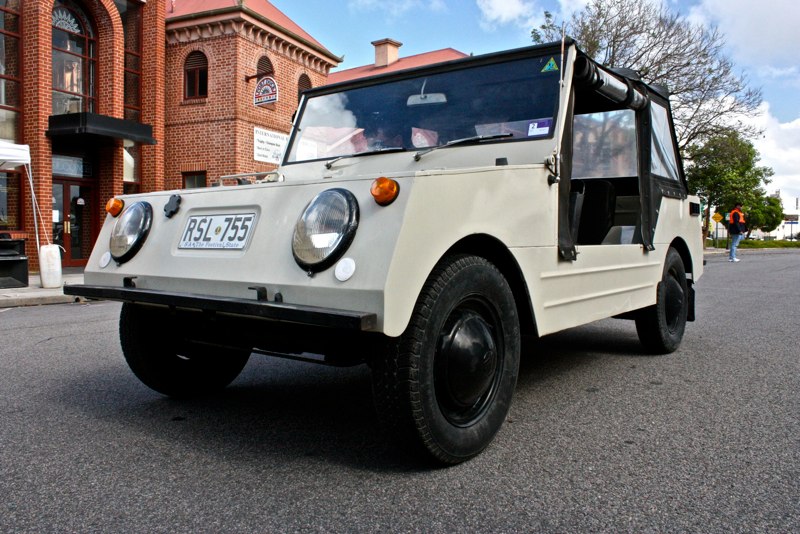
(496, 252)
(683, 249)
(688, 265)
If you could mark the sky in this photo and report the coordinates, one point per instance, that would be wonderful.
(761, 39)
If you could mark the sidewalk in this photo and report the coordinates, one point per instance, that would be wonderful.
(35, 294)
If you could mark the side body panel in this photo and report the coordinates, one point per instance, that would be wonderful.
(607, 280)
(515, 205)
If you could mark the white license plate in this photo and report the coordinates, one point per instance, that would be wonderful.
(228, 231)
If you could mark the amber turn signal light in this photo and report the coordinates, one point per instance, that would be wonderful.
(384, 191)
(114, 206)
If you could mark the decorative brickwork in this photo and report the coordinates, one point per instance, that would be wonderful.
(212, 135)
(216, 134)
(37, 107)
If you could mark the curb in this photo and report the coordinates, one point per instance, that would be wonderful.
(16, 302)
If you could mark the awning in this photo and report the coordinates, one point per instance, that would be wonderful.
(12, 155)
(101, 125)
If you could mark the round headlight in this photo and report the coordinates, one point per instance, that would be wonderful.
(130, 231)
(325, 230)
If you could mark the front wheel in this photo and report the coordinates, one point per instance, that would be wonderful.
(445, 385)
(660, 327)
(151, 343)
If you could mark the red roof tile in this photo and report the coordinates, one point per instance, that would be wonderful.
(427, 58)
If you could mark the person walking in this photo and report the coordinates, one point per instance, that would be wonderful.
(737, 230)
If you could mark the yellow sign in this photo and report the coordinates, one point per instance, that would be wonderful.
(717, 217)
(551, 66)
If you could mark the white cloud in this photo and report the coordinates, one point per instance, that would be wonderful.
(777, 72)
(494, 13)
(760, 33)
(779, 147)
(525, 14)
(397, 8)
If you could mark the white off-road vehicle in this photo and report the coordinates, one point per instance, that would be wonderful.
(421, 222)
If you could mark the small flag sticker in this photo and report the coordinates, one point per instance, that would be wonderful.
(551, 66)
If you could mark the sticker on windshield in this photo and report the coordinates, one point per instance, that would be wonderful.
(539, 127)
(551, 66)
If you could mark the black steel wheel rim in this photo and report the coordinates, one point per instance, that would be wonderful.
(468, 362)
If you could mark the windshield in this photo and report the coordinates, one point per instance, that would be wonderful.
(506, 101)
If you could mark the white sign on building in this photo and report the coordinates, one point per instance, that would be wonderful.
(268, 146)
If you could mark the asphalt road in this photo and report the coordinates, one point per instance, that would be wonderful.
(601, 438)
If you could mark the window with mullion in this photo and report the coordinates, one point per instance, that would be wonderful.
(74, 60)
(131, 14)
(11, 192)
(193, 180)
(10, 95)
(195, 76)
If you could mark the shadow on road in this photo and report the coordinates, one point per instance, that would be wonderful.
(281, 411)
(559, 353)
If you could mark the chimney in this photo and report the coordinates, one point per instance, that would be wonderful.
(386, 52)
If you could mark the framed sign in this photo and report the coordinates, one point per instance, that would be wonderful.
(268, 146)
(266, 91)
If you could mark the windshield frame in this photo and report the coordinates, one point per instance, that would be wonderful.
(421, 73)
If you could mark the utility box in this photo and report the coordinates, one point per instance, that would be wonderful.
(13, 263)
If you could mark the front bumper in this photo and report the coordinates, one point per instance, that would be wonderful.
(260, 309)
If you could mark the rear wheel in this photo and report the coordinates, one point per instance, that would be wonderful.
(445, 386)
(164, 362)
(660, 327)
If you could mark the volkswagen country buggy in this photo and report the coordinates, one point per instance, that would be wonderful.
(422, 222)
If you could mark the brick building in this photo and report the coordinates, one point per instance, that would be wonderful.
(78, 88)
(118, 96)
(218, 53)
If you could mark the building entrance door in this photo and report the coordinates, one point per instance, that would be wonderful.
(73, 224)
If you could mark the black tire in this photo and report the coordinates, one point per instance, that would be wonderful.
(444, 387)
(163, 362)
(660, 327)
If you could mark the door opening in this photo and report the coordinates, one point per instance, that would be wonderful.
(73, 222)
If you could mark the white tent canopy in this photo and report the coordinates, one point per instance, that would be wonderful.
(13, 156)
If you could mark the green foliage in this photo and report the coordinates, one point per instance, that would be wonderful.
(723, 243)
(756, 244)
(766, 214)
(724, 170)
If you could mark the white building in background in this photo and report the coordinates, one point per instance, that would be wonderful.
(790, 226)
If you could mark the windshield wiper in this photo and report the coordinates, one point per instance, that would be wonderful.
(464, 141)
(385, 149)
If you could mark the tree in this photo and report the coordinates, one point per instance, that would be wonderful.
(724, 171)
(766, 215)
(666, 49)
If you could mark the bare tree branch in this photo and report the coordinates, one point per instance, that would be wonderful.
(708, 96)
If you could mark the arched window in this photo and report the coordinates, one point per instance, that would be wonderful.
(195, 76)
(264, 67)
(74, 59)
(303, 84)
